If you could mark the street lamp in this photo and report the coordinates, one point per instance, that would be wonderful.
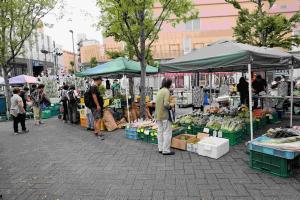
(45, 61)
(56, 52)
(72, 32)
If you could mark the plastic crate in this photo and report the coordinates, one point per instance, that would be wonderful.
(197, 129)
(261, 122)
(178, 131)
(274, 119)
(153, 140)
(131, 133)
(46, 114)
(235, 137)
(247, 127)
(271, 164)
(270, 151)
(3, 118)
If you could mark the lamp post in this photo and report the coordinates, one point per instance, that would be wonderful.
(72, 32)
(43, 51)
(57, 52)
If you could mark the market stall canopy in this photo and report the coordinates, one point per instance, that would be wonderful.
(21, 79)
(228, 56)
(118, 66)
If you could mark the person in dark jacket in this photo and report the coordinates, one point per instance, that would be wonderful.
(24, 96)
(72, 104)
(64, 100)
(258, 85)
(243, 89)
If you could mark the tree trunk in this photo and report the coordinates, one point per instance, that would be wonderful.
(131, 86)
(7, 90)
(143, 67)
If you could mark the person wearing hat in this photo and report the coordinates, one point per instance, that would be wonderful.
(97, 105)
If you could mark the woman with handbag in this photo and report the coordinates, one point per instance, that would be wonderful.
(162, 115)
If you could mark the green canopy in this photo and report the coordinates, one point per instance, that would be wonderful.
(117, 67)
(229, 56)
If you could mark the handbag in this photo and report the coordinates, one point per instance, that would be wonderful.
(172, 117)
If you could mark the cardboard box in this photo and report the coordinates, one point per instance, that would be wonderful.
(177, 143)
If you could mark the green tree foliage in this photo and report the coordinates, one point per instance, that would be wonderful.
(115, 54)
(259, 28)
(134, 22)
(93, 62)
(18, 20)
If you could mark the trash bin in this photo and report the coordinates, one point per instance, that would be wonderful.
(2, 105)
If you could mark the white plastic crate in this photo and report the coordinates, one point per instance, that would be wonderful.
(213, 147)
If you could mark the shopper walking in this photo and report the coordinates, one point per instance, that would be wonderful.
(72, 104)
(243, 89)
(162, 109)
(64, 100)
(17, 111)
(37, 97)
(96, 105)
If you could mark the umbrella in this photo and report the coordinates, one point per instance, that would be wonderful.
(21, 79)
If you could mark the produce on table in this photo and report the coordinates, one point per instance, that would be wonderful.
(258, 113)
(232, 124)
(196, 119)
(282, 133)
(287, 139)
(214, 122)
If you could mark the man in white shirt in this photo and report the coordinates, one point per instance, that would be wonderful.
(17, 111)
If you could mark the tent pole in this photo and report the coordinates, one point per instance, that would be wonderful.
(126, 93)
(210, 86)
(292, 95)
(250, 100)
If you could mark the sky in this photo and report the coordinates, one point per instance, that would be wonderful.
(77, 15)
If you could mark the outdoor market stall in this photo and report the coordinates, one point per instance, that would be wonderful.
(118, 68)
(232, 56)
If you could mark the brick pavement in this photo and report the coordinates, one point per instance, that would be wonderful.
(61, 161)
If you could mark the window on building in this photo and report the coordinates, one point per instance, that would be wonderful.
(193, 25)
(187, 45)
(189, 26)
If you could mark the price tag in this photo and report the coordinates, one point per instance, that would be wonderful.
(206, 130)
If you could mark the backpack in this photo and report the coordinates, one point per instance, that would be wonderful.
(72, 98)
(88, 99)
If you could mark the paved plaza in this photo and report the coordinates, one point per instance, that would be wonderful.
(65, 162)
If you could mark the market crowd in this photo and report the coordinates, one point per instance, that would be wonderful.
(93, 103)
(22, 99)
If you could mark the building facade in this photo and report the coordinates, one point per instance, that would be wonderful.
(33, 61)
(215, 22)
(69, 57)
